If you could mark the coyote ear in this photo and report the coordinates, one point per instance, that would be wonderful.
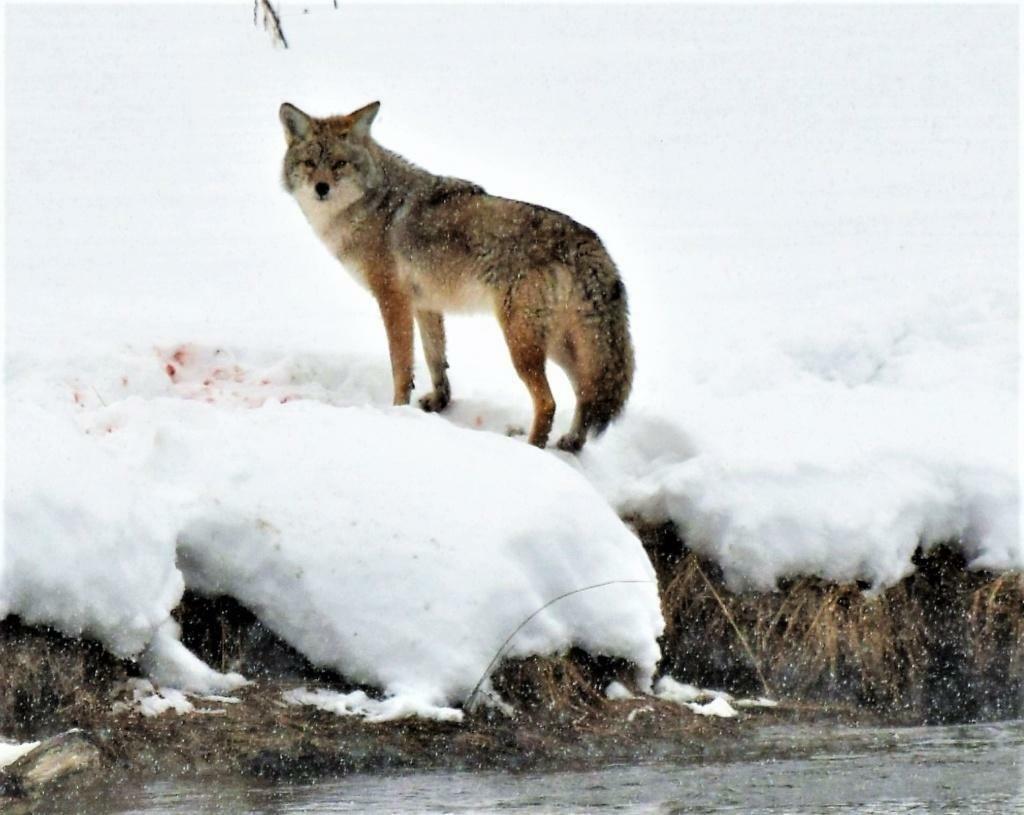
(297, 125)
(362, 119)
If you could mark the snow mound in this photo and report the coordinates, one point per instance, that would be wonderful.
(833, 450)
(386, 544)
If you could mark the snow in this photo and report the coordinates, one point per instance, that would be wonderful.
(150, 699)
(169, 662)
(705, 702)
(355, 533)
(680, 692)
(814, 212)
(10, 752)
(716, 707)
(760, 701)
(617, 692)
(357, 703)
(153, 704)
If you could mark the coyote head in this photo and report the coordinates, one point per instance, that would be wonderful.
(328, 162)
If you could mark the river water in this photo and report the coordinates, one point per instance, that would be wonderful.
(976, 769)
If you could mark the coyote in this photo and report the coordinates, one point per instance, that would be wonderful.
(425, 244)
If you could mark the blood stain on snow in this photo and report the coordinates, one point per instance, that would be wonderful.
(171, 371)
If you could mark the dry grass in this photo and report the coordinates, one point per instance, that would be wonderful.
(49, 683)
(995, 622)
(944, 644)
(810, 640)
(569, 684)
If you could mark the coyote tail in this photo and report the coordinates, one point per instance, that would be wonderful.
(604, 315)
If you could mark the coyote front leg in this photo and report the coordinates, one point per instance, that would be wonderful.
(396, 309)
(432, 335)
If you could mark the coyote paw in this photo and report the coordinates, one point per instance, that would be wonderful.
(571, 443)
(435, 401)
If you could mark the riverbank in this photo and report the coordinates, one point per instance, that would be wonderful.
(562, 720)
(944, 645)
(797, 769)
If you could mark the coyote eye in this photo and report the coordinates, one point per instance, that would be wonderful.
(339, 164)
(310, 164)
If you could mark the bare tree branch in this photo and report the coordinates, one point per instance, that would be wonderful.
(271, 22)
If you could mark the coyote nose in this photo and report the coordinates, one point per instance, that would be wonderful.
(322, 188)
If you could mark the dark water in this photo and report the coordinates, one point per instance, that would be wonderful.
(977, 769)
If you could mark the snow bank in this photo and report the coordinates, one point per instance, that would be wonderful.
(86, 543)
(385, 544)
(832, 453)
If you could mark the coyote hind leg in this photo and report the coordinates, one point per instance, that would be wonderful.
(526, 344)
(567, 353)
(572, 442)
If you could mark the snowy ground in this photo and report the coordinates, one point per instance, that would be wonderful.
(814, 211)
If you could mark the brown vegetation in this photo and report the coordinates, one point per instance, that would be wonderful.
(50, 683)
(945, 644)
